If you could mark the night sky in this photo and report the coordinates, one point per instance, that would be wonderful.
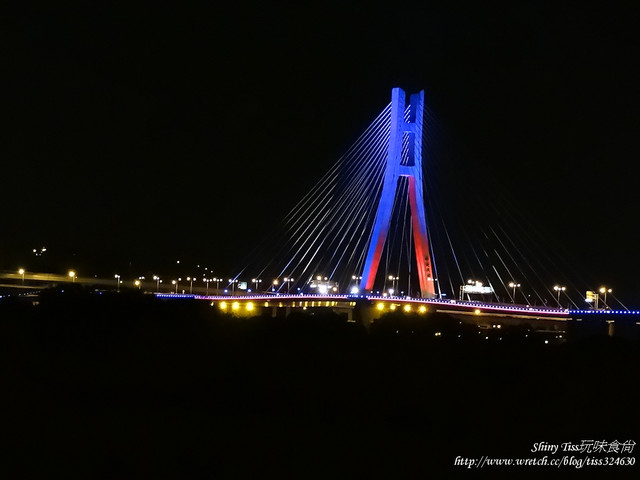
(137, 136)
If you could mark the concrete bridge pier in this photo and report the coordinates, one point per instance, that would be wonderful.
(363, 312)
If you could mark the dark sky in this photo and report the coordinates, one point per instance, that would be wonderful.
(149, 134)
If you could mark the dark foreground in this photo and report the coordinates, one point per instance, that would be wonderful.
(125, 386)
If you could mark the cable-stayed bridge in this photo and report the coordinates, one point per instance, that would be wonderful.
(372, 229)
(383, 220)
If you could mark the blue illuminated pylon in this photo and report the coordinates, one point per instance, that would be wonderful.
(394, 170)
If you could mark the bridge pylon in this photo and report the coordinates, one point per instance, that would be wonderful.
(410, 131)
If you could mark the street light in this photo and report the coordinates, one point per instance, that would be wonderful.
(206, 280)
(559, 289)
(217, 280)
(288, 281)
(137, 283)
(233, 285)
(72, 274)
(190, 280)
(356, 280)
(514, 285)
(605, 290)
(157, 279)
(275, 284)
(117, 277)
(256, 281)
(393, 281)
(173, 282)
(21, 272)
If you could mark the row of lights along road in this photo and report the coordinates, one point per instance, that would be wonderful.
(256, 281)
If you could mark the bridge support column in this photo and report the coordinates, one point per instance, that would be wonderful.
(364, 313)
(409, 132)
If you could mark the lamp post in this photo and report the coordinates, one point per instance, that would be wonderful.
(217, 280)
(356, 281)
(256, 281)
(137, 283)
(21, 272)
(393, 281)
(514, 285)
(274, 284)
(288, 281)
(605, 290)
(559, 289)
(117, 277)
(157, 279)
(233, 285)
(190, 280)
(207, 280)
(173, 282)
(72, 274)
